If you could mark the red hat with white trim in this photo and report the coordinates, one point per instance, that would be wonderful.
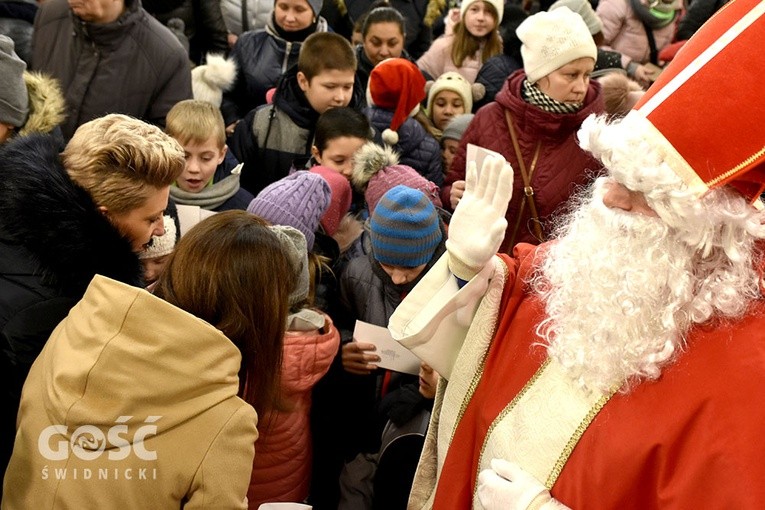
(705, 112)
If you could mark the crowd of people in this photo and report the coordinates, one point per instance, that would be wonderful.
(202, 201)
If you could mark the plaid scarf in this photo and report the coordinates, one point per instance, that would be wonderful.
(532, 95)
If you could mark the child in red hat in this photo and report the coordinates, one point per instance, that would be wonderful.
(394, 93)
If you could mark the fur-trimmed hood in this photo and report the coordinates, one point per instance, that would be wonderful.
(47, 108)
(370, 159)
(44, 211)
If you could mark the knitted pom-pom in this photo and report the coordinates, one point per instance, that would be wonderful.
(390, 137)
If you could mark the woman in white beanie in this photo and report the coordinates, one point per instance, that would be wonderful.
(263, 56)
(474, 40)
(533, 123)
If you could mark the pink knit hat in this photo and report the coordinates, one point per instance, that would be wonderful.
(341, 199)
(376, 170)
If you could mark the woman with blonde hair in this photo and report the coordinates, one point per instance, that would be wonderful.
(146, 401)
(474, 40)
(67, 216)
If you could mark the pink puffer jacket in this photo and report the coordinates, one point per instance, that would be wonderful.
(624, 32)
(281, 470)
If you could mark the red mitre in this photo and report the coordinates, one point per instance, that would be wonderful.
(706, 111)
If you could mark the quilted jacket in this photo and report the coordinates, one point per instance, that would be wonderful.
(562, 166)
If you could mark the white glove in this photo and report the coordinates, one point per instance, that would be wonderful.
(507, 486)
(478, 224)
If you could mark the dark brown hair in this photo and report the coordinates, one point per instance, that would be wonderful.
(229, 270)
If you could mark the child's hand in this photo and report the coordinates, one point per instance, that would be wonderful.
(455, 195)
(357, 360)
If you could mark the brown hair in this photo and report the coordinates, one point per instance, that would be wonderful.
(120, 161)
(323, 51)
(466, 44)
(195, 121)
(229, 270)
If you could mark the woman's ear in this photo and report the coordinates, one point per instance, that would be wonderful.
(103, 210)
(316, 154)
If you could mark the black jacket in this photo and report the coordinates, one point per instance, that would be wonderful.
(53, 240)
(270, 138)
(203, 24)
(261, 57)
(133, 66)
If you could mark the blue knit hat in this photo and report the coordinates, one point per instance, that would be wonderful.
(405, 229)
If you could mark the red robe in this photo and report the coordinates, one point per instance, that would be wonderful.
(695, 438)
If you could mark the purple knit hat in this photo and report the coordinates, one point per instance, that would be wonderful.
(298, 200)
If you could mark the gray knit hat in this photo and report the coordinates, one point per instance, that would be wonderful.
(14, 100)
(457, 126)
(294, 246)
(316, 6)
(404, 228)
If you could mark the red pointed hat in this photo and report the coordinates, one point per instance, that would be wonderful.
(396, 84)
(706, 111)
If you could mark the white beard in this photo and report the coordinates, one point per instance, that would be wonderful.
(616, 286)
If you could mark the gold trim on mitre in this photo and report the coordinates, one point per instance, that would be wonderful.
(677, 162)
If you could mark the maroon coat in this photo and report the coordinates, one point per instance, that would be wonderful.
(562, 166)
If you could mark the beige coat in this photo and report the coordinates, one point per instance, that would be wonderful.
(132, 405)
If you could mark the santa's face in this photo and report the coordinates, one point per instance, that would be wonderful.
(618, 196)
(614, 286)
(621, 287)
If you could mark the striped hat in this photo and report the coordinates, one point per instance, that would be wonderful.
(405, 228)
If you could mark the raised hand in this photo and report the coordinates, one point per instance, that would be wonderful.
(478, 224)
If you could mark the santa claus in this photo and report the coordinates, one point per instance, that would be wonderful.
(621, 365)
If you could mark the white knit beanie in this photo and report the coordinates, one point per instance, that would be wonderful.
(454, 82)
(164, 244)
(211, 80)
(499, 5)
(552, 39)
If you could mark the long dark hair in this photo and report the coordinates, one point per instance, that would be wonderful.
(230, 271)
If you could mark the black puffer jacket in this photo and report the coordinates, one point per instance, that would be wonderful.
(53, 240)
(271, 138)
(134, 65)
(261, 57)
(416, 148)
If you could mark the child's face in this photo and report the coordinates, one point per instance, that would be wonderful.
(328, 89)
(428, 381)
(479, 19)
(401, 275)
(446, 105)
(202, 159)
(448, 151)
(338, 154)
(153, 267)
